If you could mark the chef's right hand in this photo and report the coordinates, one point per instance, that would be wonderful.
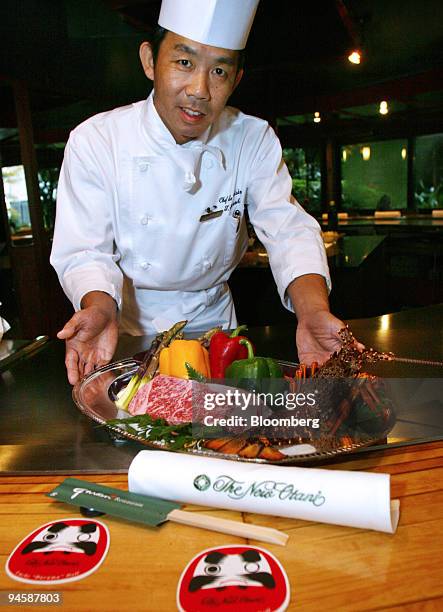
(91, 335)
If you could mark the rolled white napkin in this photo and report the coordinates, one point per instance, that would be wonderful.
(353, 499)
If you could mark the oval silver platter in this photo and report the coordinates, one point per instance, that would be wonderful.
(94, 396)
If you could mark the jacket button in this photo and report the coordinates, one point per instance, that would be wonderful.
(144, 220)
(143, 167)
(207, 265)
(145, 265)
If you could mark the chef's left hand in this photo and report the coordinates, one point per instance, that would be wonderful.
(317, 337)
(317, 331)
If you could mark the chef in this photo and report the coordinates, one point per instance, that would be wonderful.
(151, 200)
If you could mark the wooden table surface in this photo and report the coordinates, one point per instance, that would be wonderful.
(329, 567)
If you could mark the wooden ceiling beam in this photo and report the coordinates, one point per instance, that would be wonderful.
(350, 24)
(359, 130)
(398, 89)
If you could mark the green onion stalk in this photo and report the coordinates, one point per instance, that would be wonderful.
(148, 367)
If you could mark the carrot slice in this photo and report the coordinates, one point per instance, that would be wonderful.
(250, 451)
(271, 454)
(216, 443)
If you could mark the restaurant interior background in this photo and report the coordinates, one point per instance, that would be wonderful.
(364, 139)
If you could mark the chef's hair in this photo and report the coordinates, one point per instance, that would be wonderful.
(160, 33)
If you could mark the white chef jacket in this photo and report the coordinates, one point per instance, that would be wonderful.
(160, 226)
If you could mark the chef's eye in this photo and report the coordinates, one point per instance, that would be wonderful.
(212, 570)
(185, 63)
(220, 72)
(83, 537)
(49, 537)
(252, 568)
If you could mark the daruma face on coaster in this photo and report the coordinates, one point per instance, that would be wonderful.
(61, 551)
(230, 577)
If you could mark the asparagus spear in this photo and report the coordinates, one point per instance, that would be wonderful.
(144, 374)
(206, 337)
(134, 383)
(145, 356)
(148, 355)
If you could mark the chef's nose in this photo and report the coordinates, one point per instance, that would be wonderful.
(198, 85)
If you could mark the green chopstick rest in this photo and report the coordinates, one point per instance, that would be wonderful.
(130, 506)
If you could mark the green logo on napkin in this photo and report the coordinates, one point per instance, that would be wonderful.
(202, 482)
(267, 489)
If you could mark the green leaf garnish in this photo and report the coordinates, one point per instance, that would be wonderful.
(193, 374)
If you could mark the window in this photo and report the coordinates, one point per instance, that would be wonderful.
(305, 169)
(374, 175)
(428, 172)
(16, 197)
(49, 159)
(47, 182)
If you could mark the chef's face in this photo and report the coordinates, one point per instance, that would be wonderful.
(192, 83)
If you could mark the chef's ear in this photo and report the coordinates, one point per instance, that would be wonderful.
(147, 59)
(238, 78)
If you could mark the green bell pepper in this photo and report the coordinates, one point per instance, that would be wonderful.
(249, 372)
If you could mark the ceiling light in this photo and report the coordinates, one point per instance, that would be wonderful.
(403, 153)
(317, 117)
(355, 57)
(383, 109)
(344, 155)
(366, 153)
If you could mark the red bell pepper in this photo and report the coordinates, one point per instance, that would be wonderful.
(224, 349)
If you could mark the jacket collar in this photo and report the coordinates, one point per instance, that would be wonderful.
(186, 156)
(155, 129)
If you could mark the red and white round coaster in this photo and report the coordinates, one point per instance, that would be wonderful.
(60, 551)
(233, 578)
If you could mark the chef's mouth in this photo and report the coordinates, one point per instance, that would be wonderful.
(191, 115)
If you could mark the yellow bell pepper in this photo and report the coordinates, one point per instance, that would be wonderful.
(174, 357)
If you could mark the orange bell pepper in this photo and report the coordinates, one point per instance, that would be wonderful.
(174, 357)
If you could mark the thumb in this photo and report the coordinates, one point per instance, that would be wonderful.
(70, 329)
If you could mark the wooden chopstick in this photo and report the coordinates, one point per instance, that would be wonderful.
(243, 530)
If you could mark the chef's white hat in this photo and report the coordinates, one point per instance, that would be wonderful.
(219, 23)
